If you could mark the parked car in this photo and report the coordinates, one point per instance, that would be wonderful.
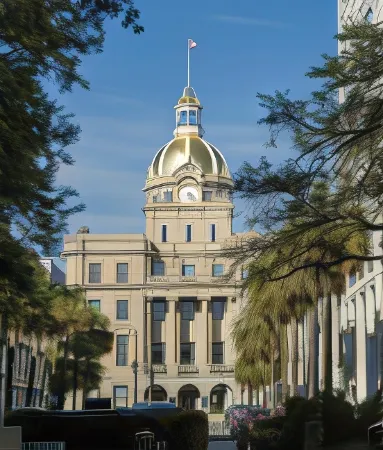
(153, 405)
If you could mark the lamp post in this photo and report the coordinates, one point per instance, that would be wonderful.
(132, 331)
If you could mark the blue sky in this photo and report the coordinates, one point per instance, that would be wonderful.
(244, 47)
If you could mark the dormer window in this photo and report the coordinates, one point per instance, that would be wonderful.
(192, 117)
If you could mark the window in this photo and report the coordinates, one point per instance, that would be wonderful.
(217, 353)
(212, 232)
(183, 118)
(245, 273)
(206, 196)
(217, 270)
(122, 273)
(219, 194)
(96, 304)
(122, 350)
(187, 353)
(352, 279)
(120, 396)
(370, 266)
(188, 233)
(192, 117)
(205, 402)
(122, 309)
(164, 233)
(361, 271)
(155, 198)
(218, 309)
(159, 310)
(188, 270)
(95, 273)
(158, 353)
(369, 16)
(158, 267)
(187, 310)
(168, 196)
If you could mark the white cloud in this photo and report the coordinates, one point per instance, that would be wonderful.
(240, 20)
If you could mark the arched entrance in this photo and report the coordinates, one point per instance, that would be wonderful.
(158, 394)
(221, 397)
(188, 396)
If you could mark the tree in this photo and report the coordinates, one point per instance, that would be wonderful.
(332, 190)
(40, 40)
(70, 319)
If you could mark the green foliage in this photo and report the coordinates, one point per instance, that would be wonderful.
(188, 430)
(368, 412)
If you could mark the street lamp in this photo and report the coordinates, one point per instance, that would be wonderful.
(132, 331)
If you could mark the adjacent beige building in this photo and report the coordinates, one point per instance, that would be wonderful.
(166, 287)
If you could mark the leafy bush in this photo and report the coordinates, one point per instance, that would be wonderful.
(367, 413)
(338, 419)
(241, 419)
(188, 430)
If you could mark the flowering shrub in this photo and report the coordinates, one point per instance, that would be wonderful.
(242, 419)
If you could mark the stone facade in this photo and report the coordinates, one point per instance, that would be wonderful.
(166, 288)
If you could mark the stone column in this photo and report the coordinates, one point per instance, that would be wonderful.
(201, 333)
(360, 328)
(171, 337)
(209, 327)
(335, 325)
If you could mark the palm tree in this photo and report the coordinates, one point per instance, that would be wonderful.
(70, 314)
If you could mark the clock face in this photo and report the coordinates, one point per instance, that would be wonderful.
(188, 194)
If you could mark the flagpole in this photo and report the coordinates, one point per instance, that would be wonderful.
(188, 62)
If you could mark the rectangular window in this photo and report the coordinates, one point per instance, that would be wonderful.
(159, 311)
(122, 273)
(212, 232)
(351, 279)
(122, 309)
(217, 270)
(120, 396)
(245, 273)
(158, 353)
(187, 353)
(155, 198)
(217, 353)
(95, 273)
(187, 310)
(361, 271)
(164, 233)
(218, 310)
(205, 402)
(168, 196)
(192, 117)
(370, 266)
(188, 270)
(96, 304)
(122, 350)
(158, 267)
(206, 196)
(188, 233)
(183, 118)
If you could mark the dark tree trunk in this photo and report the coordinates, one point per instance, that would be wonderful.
(62, 393)
(75, 383)
(249, 393)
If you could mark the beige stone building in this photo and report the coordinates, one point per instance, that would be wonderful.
(165, 288)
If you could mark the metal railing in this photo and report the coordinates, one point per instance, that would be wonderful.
(221, 429)
(188, 369)
(43, 446)
(159, 368)
(221, 368)
(144, 441)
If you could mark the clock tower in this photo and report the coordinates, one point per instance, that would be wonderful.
(188, 186)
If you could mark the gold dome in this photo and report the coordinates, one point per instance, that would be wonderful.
(188, 149)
